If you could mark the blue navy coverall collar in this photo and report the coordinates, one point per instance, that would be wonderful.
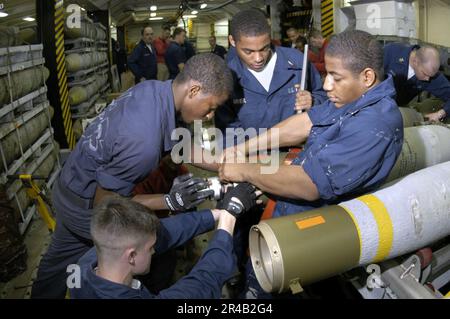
(329, 135)
(280, 75)
(374, 95)
(145, 45)
(104, 289)
(402, 61)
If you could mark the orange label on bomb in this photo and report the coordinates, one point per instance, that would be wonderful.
(310, 222)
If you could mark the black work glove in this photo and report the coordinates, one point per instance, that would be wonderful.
(238, 199)
(187, 192)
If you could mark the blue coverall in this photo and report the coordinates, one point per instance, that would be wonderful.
(204, 281)
(396, 62)
(142, 62)
(174, 55)
(251, 106)
(117, 150)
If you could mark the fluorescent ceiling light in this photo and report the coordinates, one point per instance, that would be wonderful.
(82, 9)
(3, 14)
(194, 12)
(156, 18)
(153, 8)
(203, 5)
(28, 19)
(189, 16)
(153, 14)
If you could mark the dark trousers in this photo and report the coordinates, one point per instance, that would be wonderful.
(252, 289)
(65, 249)
(241, 233)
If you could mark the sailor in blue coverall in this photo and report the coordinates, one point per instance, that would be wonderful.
(267, 78)
(254, 107)
(177, 230)
(416, 69)
(350, 150)
(175, 56)
(119, 149)
(353, 140)
(133, 225)
(142, 61)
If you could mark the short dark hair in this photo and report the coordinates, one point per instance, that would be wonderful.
(117, 218)
(315, 34)
(301, 40)
(178, 31)
(211, 71)
(249, 23)
(145, 27)
(358, 50)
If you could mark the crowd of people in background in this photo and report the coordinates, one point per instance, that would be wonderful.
(162, 57)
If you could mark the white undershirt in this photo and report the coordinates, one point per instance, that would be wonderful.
(265, 76)
(411, 72)
(149, 47)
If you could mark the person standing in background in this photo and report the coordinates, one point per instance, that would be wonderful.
(292, 34)
(161, 44)
(175, 56)
(119, 57)
(316, 40)
(188, 48)
(300, 43)
(216, 48)
(142, 61)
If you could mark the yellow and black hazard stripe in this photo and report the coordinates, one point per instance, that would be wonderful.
(327, 15)
(61, 70)
(300, 13)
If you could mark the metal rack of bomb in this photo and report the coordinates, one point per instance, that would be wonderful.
(101, 42)
(26, 136)
(87, 67)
